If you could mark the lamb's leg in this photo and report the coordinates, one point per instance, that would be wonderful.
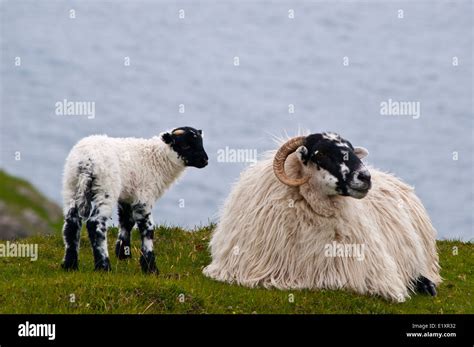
(71, 233)
(123, 249)
(97, 229)
(142, 215)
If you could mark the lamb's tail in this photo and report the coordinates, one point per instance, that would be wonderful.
(84, 191)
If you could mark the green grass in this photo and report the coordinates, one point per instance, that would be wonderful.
(42, 287)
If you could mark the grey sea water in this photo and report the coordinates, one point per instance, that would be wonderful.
(335, 62)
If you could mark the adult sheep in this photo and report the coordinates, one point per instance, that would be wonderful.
(288, 223)
(101, 172)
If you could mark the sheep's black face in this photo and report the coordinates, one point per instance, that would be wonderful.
(339, 169)
(187, 143)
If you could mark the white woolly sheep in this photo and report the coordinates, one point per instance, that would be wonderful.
(101, 171)
(303, 232)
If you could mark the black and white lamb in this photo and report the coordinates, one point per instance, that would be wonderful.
(101, 172)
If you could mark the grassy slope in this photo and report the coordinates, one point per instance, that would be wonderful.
(42, 287)
(19, 196)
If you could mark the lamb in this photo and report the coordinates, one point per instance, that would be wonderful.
(289, 224)
(101, 172)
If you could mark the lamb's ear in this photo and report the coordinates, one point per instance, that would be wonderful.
(167, 138)
(361, 152)
(200, 132)
(302, 154)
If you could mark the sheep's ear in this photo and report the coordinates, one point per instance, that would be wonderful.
(361, 152)
(200, 132)
(167, 138)
(302, 154)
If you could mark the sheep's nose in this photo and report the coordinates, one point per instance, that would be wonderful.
(364, 176)
(205, 159)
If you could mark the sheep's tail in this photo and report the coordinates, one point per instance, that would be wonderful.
(84, 193)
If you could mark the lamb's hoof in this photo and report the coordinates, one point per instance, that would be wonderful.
(148, 263)
(123, 250)
(70, 263)
(103, 265)
(425, 286)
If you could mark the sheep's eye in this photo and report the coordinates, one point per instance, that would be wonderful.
(185, 146)
(318, 154)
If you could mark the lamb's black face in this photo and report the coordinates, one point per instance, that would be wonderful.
(340, 169)
(187, 143)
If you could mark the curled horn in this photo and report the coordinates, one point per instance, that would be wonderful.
(279, 162)
(178, 132)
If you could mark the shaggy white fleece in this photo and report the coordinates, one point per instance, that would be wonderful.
(273, 235)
